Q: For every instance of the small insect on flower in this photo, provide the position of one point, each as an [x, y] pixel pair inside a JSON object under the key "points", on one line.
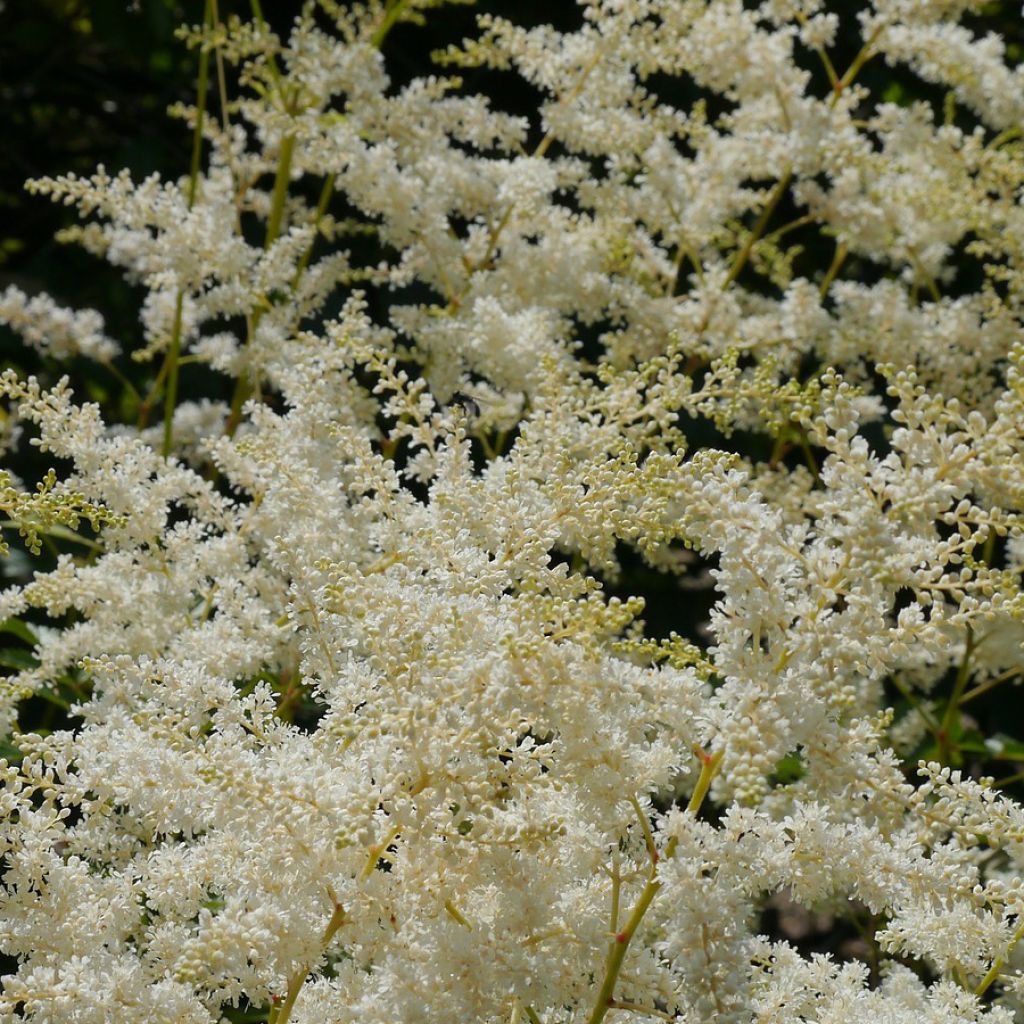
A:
{"points": [[470, 406]]}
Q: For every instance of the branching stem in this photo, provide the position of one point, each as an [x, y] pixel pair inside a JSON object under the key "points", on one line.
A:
{"points": [[710, 764], [282, 1013]]}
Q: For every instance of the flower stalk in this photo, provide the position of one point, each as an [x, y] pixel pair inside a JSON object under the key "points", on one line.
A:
{"points": [[709, 765]]}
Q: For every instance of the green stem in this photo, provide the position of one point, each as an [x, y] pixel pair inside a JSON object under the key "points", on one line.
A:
{"points": [[620, 944], [222, 87], [281, 181], [853, 70], [950, 713], [1008, 780], [1007, 136], [243, 387], [826, 61], [152, 395], [257, 14], [197, 130], [173, 358], [298, 979], [282, 178], [1000, 962], [919, 708], [617, 954], [321, 208], [762, 222], [709, 765], [805, 447], [123, 381], [645, 825], [798, 222], [649, 1011], [834, 267], [989, 550], [616, 891], [174, 350], [989, 684], [391, 16]]}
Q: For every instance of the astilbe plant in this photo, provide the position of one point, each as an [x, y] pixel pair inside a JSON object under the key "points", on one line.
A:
{"points": [[355, 730]]}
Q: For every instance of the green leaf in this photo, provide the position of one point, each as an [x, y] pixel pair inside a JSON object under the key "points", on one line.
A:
{"points": [[998, 747], [17, 658], [789, 769], [20, 630], [896, 93]]}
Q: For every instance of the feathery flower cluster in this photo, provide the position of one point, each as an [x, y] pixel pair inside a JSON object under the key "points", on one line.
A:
{"points": [[355, 730]]}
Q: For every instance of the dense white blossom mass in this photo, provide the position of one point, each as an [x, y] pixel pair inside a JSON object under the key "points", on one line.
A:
{"points": [[505, 802]]}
